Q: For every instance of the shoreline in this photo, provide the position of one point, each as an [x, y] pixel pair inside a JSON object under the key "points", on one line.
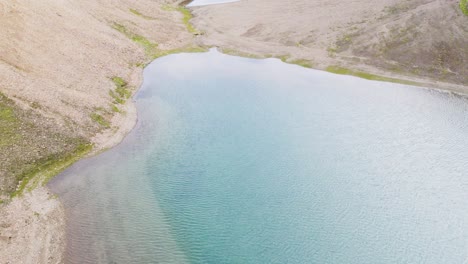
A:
{"points": [[386, 77], [37, 219], [38, 216], [32, 224]]}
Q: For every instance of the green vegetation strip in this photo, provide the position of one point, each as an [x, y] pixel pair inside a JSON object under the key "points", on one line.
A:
{"points": [[115, 109], [100, 120], [149, 46], [186, 16], [121, 87], [45, 169], [302, 63], [368, 76], [8, 123], [152, 52], [189, 49], [121, 92], [136, 12], [234, 52], [284, 58], [186, 19], [464, 6]]}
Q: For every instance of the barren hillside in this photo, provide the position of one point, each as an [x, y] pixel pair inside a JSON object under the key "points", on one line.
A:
{"points": [[424, 40], [67, 68]]}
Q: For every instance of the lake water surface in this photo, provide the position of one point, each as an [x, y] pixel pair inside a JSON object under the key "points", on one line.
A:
{"points": [[237, 160]]}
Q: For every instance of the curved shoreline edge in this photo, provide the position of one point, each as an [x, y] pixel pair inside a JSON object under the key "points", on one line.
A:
{"points": [[32, 223]]}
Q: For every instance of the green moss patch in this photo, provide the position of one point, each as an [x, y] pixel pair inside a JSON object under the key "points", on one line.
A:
{"points": [[189, 49], [234, 52], [368, 76], [41, 171], [302, 63], [136, 12], [30, 145], [186, 16], [121, 92], [167, 7], [9, 123], [284, 58], [464, 6], [98, 118], [121, 87], [149, 46], [186, 19], [116, 97], [115, 109]]}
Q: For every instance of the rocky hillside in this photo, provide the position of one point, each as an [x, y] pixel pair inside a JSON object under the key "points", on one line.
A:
{"points": [[68, 69], [424, 38]]}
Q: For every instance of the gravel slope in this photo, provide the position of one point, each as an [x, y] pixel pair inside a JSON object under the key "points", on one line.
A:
{"points": [[421, 40]]}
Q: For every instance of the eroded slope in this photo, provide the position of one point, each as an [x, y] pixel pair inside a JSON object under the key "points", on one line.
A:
{"points": [[422, 40]]}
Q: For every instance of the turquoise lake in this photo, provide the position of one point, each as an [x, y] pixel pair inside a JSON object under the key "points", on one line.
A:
{"points": [[237, 160]]}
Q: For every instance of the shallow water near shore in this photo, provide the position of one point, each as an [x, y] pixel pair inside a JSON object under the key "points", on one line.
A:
{"points": [[237, 160]]}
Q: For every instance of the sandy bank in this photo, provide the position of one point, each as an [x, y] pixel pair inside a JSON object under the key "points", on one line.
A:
{"points": [[32, 229]]}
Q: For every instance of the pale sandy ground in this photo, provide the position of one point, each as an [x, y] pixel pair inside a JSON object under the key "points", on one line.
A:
{"points": [[61, 54], [32, 229], [422, 40]]}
